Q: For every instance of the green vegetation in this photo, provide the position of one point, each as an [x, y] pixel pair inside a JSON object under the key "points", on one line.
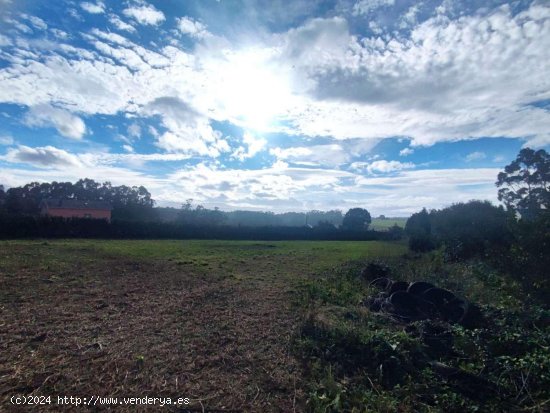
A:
{"points": [[384, 349], [310, 256], [101, 309], [296, 325], [358, 360], [212, 320], [379, 224]]}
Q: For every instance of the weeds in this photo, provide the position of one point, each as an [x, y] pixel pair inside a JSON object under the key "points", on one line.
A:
{"points": [[361, 361]]}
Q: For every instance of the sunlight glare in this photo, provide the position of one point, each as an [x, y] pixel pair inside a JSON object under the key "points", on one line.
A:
{"points": [[253, 91]]}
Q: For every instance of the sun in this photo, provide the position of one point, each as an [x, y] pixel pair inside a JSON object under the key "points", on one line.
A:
{"points": [[254, 91]]}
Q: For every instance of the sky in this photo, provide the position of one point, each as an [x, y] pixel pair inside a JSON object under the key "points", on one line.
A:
{"points": [[389, 105]]}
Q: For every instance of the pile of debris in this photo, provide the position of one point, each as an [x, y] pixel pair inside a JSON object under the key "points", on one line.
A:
{"points": [[420, 300]]}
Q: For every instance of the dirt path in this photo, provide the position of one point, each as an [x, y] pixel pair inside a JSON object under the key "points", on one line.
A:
{"points": [[122, 328]]}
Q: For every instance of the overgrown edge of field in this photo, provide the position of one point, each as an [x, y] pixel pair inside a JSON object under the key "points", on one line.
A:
{"points": [[355, 360]]}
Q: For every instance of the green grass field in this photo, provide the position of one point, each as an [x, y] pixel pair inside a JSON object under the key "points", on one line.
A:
{"points": [[258, 327], [214, 321], [383, 224]]}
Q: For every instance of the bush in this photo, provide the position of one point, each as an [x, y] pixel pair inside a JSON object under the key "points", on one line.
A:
{"points": [[470, 229], [421, 243], [529, 255], [465, 230]]}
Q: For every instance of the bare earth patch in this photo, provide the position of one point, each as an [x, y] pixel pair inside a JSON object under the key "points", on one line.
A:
{"points": [[108, 326]]}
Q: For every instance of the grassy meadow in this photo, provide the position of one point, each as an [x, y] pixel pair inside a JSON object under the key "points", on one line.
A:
{"points": [[214, 321], [260, 326], [378, 224]]}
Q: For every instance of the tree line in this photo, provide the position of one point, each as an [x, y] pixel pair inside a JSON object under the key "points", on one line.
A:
{"points": [[514, 237], [134, 216], [131, 203], [136, 204]]}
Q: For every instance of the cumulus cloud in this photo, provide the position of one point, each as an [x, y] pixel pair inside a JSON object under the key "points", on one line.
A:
{"points": [[278, 187], [255, 187], [53, 157], [383, 166], [188, 131], [111, 37], [134, 130], [329, 155], [431, 86], [6, 140], [192, 27], [409, 18], [67, 124], [283, 187], [60, 34], [475, 156], [120, 24], [253, 146], [4, 41], [406, 152], [22, 27], [93, 8], [367, 6], [409, 191], [145, 14], [41, 156], [35, 21]]}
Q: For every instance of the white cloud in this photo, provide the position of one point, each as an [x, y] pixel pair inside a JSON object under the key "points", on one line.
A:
{"points": [[253, 146], [4, 41], [35, 21], [92, 8], [375, 27], [281, 187], [134, 130], [74, 14], [326, 81], [117, 176], [409, 191], [329, 155], [66, 123], [475, 156], [46, 156], [278, 188], [6, 140], [60, 34], [146, 14], [111, 37], [255, 187], [406, 152], [153, 131], [120, 24], [91, 83], [23, 28], [409, 18], [383, 166], [52, 157], [188, 131], [191, 27], [367, 6], [433, 86]]}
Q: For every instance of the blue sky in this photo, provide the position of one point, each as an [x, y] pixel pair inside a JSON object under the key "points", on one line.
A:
{"points": [[391, 105]]}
